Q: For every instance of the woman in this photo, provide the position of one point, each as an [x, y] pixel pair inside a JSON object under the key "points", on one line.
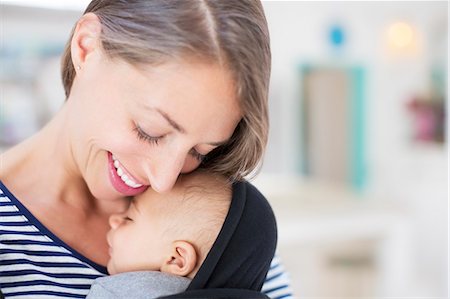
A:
{"points": [[154, 89]]}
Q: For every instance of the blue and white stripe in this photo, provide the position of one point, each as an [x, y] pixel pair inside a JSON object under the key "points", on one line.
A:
{"points": [[277, 284], [33, 262]]}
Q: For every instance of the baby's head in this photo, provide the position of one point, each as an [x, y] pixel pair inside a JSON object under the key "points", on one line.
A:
{"points": [[171, 232]]}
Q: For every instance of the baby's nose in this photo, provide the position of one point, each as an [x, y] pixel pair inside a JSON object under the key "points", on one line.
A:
{"points": [[115, 220]]}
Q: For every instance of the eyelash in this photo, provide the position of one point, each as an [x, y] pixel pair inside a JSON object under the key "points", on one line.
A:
{"points": [[141, 135], [197, 155]]}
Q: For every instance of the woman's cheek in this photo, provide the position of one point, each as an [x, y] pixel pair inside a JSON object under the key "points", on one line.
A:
{"points": [[190, 165]]}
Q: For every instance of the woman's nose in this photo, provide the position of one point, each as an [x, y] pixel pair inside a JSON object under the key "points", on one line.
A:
{"points": [[115, 220], [164, 174]]}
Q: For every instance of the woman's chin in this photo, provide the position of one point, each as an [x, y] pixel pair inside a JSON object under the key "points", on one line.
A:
{"points": [[104, 191]]}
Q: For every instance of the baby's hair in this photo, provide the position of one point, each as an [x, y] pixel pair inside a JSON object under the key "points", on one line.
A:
{"points": [[230, 33], [205, 204]]}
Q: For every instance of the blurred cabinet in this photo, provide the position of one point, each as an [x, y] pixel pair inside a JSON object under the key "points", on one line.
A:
{"points": [[333, 124], [336, 244], [333, 270]]}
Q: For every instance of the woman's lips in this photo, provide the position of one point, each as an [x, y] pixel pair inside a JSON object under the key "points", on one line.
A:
{"points": [[129, 187]]}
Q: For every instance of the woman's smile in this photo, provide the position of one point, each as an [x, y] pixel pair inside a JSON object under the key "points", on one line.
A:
{"points": [[124, 174], [122, 180]]}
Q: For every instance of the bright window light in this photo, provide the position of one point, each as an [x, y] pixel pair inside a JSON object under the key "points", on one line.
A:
{"points": [[401, 35]]}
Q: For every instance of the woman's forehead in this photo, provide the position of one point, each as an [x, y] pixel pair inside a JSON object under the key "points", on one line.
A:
{"points": [[189, 97]]}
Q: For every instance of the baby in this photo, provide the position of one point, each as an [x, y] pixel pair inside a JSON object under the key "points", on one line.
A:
{"points": [[160, 242]]}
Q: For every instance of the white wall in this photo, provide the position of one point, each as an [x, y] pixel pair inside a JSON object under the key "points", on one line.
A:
{"points": [[397, 169]]}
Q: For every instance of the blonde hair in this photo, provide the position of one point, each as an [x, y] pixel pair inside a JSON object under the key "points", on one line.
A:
{"points": [[232, 33]]}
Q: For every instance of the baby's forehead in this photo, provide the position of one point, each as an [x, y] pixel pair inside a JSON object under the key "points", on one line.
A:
{"points": [[154, 200], [190, 188], [153, 196]]}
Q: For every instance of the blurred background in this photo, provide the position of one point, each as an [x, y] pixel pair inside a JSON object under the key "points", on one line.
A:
{"points": [[357, 163]]}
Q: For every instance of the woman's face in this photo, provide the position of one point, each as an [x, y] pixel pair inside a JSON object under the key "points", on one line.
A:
{"points": [[132, 128]]}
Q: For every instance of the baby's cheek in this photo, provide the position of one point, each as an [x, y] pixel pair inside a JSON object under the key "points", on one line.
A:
{"points": [[110, 267]]}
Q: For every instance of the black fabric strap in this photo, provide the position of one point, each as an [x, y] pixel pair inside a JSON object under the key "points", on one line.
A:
{"points": [[219, 294], [239, 259]]}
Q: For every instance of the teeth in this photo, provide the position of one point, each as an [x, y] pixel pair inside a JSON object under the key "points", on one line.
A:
{"points": [[130, 183], [127, 180]]}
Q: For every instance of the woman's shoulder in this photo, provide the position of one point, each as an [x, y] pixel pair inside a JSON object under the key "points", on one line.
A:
{"points": [[16, 220], [11, 206], [34, 262]]}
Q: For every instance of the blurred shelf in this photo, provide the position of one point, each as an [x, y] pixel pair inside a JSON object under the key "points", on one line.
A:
{"points": [[336, 239]]}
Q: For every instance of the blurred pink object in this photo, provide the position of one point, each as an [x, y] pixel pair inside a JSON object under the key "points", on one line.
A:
{"points": [[428, 120]]}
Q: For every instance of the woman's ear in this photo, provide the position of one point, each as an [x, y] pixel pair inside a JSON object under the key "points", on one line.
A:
{"points": [[86, 39], [182, 259]]}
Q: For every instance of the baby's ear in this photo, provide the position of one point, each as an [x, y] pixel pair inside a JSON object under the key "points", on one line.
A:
{"points": [[182, 259]]}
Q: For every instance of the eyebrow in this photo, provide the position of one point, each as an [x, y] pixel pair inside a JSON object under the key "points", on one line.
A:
{"points": [[181, 129], [171, 121]]}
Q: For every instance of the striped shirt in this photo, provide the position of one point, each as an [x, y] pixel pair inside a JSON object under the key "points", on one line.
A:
{"points": [[278, 283], [34, 263]]}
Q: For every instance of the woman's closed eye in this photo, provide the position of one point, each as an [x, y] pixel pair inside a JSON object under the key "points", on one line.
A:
{"points": [[141, 135], [197, 155]]}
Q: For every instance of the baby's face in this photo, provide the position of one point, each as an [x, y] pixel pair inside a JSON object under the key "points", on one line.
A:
{"points": [[136, 239]]}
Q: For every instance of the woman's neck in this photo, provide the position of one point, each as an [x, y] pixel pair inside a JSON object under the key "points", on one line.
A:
{"points": [[43, 169], [43, 174]]}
